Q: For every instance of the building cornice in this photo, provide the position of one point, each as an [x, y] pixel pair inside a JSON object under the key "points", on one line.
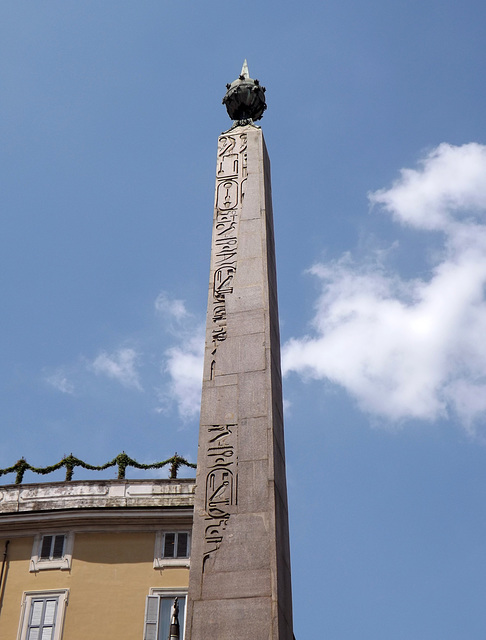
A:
{"points": [[95, 505]]}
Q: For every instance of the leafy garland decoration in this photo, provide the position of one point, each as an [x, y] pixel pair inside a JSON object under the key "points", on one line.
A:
{"points": [[70, 462]]}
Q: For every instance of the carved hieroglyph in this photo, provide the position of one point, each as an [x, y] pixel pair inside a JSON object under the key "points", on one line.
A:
{"points": [[222, 473], [230, 177], [221, 483], [240, 566]]}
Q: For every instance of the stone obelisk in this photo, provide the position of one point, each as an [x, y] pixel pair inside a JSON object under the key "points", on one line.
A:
{"points": [[239, 586]]}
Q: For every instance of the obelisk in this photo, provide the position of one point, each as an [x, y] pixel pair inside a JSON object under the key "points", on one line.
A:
{"points": [[239, 586]]}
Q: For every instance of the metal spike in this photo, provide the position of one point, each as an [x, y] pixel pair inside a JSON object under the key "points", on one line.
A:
{"points": [[244, 70]]}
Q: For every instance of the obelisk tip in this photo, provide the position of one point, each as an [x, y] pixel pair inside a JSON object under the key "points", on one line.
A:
{"points": [[244, 70]]}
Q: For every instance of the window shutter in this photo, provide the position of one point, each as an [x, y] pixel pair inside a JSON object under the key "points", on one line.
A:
{"points": [[151, 618], [42, 619], [36, 612], [46, 547], [182, 545], [58, 551], [169, 545], [50, 612]]}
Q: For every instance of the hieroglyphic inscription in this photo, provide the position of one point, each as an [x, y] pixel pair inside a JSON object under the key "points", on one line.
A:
{"points": [[221, 484], [227, 195], [231, 175], [221, 456]]}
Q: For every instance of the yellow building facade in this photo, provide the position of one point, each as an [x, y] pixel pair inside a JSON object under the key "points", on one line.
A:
{"points": [[86, 560]]}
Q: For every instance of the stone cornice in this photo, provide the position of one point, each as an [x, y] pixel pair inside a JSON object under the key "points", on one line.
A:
{"points": [[95, 505]]}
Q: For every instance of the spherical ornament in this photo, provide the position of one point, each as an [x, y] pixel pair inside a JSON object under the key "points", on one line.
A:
{"points": [[245, 98]]}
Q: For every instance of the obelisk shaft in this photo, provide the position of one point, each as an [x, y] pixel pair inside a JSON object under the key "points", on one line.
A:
{"points": [[240, 561]]}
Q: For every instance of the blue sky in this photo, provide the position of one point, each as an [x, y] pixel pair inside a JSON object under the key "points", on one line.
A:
{"points": [[109, 118]]}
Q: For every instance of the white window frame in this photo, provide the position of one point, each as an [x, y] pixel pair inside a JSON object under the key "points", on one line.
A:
{"points": [[64, 563], [164, 593], [27, 599], [159, 561]]}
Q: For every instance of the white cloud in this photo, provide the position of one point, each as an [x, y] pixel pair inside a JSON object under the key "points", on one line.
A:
{"points": [[171, 307], [167, 365], [411, 348], [121, 366], [59, 381], [449, 185], [184, 364]]}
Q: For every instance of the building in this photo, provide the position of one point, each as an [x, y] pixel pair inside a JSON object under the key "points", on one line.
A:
{"points": [[108, 559], [93, 559]]}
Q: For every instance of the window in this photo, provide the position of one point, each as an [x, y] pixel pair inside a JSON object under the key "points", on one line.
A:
{"points": [[176, 544], [158, 612], [42, 614], [52, 551], [52, 547], [172, 549]]}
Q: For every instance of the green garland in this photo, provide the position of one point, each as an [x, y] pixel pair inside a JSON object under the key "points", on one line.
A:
{"points": [[122, 460]]}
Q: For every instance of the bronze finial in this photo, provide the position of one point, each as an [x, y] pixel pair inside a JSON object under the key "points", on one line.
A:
{"points": [[245, 98]]}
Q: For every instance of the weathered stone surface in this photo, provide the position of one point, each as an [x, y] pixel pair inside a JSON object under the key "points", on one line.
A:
{"points": [[237, 584], [247, 299], [247, 322], [45, 496], [242, 618], [221, 404], [254, 445], [240, 562], [243, 353], [253, 397], [83, 505]]}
